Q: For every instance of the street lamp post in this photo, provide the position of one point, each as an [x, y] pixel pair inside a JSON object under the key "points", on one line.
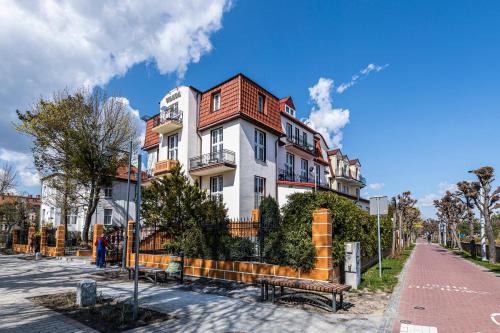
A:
{"points": [[127, 205], [136, 243]]}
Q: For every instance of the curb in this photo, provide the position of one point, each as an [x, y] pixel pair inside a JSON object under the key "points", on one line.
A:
{"points": [[390, 312]]}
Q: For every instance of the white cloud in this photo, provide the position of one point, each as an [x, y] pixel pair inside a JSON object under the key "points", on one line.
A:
{"points": [[376, 186], [428, 199], [50, 45], [326, 119], [359, 76], [136, 118], [23, 165]]}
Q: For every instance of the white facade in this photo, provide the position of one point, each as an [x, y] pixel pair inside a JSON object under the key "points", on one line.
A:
{"points": [[239, 160], [111, 209]]}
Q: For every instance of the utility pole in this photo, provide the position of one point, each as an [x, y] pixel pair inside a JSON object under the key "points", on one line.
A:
{"points": [[137, 236], [127, 205]]}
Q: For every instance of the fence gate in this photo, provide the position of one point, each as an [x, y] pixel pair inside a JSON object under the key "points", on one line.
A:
{"points": [[114, 249]]}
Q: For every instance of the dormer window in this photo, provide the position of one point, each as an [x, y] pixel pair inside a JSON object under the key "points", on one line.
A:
{"points": [[262, 103], [289, 110], [216, 101]]}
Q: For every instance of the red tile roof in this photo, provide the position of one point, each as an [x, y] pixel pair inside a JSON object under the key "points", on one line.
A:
{"points": [[122, 173], [333, 152]]}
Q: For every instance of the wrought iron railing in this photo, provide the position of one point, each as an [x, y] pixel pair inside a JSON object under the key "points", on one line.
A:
{"points": [[165, 116], [299, 142], [223, 156], [288, 175]]}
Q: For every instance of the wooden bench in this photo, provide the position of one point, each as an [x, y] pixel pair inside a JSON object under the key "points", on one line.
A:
{"points": [[309, 291], [155, 275]]}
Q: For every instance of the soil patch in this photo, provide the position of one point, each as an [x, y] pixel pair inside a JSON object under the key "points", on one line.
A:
{"points": [[108, 315]]}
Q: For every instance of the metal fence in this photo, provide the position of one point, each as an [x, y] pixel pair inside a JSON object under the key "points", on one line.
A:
{"points": [[23, 236], [4, 239], [51, 237], [236, 239], [114, 238]]}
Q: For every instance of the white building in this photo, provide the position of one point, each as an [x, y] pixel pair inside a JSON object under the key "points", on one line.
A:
{"points": [[239, 141], [111, 208]]}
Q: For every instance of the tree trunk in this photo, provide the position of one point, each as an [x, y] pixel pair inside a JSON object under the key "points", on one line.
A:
{"points": [[393, 248], [491, 239], [455, 236], [93, 199]]}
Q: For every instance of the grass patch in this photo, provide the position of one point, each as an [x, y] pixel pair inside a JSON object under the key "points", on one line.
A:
{"points": [[391, 267], [477, 260]]}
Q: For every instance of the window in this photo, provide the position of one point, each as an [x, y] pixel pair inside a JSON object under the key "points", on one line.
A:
{"points": [[216, 187], [289, 110], [173, 142], [52, 213], [260, 145], [288, 130], [304, 170], [262, 103], [290, 167], [297, 135], [72, 217], [216, 101], [317, 174], [304, 139], [108, 192], [108, 213], [259, 190], [217, 146]]}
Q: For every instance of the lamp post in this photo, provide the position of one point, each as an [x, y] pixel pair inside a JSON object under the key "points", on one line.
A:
{"points": [[127, 205], [136, 243]]}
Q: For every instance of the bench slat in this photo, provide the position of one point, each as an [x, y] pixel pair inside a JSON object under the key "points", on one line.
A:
{"points": [[321, 286]]}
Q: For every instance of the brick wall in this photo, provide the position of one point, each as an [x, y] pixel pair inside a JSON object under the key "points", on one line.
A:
{"points": [[248, 272], [52, 251]]}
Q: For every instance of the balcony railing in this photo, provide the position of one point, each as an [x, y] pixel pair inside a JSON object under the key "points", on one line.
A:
{"points": [[220, 157], [165, 116], [346, 175], [298, 142], [164, 166], [289, 176]]}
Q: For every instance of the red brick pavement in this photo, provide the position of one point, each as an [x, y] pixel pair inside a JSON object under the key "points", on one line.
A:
{"points": [[457, 295]]}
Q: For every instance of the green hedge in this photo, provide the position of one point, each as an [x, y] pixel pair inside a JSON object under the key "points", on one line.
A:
{"points": [[292, 245]]}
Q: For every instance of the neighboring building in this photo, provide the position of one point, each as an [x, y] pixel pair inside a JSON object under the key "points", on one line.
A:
{"points": [[33, 204], [346, 178], [111, 209], [239, 141]]}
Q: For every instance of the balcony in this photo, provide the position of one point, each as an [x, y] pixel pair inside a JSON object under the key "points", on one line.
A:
{"points": [[360, 181], [164, 166], [306, 179], [212, 163], [297, 145], [167, 122]]}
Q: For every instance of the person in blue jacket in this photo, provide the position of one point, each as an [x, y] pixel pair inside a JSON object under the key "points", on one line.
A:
{"points": [[101, 251]]}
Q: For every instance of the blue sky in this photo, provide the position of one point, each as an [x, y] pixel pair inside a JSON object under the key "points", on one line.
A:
{"points": [[418, 124]]}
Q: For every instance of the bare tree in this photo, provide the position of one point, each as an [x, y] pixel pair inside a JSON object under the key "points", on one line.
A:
{"points": [[452, 211], [404, 204], [486, 201], [7, 178], [82, 136]]}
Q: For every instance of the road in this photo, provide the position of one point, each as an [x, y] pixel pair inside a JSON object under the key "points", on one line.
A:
{"points": [[449, 293]]}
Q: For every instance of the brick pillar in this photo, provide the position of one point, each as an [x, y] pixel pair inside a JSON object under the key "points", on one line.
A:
{"points": [[98, 231], [130, 241], [31, 232], [15, 236], [43, 239], [322, 240], [255, 215], [60, 241]]}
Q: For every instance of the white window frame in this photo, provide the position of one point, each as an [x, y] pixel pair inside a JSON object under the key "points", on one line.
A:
{"points": [[261, 103], [216, 101], [260, 145], [289, 110], [108, 219], [259, 184], [72, 217], [217, 187], [173, 147], [288, 127], [290, 167], [304, 170], [108, 192], [217, 142]]}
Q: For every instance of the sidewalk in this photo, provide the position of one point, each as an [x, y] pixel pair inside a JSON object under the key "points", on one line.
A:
{"points": [[193, 312], [445, 291]]}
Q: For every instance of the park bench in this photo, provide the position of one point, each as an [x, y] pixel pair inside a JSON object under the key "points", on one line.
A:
{"points": [[309, 290], [175, 268]]}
